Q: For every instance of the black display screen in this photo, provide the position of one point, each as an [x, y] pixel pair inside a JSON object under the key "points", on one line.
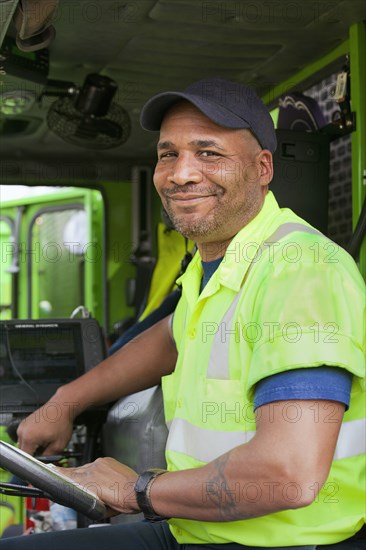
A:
{"points": [[40, 354]]}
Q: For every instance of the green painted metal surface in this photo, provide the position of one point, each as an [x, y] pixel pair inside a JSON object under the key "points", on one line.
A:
{"points": [[357, 43]]}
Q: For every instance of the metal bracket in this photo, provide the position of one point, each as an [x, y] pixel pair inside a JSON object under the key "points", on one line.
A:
{"points": [[344, 120]]}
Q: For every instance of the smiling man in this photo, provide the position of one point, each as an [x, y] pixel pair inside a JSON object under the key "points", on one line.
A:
{"points": [[266, 438], [212, 180]]}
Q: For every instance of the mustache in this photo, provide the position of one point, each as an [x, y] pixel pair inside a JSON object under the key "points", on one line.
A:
{"points": [[195, 189]]}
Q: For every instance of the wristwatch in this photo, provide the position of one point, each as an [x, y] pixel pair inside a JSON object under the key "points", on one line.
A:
{"points": [[142, 490]]}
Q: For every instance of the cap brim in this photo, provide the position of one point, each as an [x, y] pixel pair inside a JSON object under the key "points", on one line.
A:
{"points": [[154, 110]]}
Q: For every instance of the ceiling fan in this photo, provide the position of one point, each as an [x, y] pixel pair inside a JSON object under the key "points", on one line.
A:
{"points": [[86, 116]]}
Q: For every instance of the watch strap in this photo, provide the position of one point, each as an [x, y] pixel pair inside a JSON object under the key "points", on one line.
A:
{"points": [[142, 490]]}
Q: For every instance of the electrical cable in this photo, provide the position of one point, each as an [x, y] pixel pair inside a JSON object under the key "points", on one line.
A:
{"points": [[15, 368]]}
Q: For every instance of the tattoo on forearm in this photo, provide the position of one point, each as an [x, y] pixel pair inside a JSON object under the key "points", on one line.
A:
{"points": [[218, 492]]}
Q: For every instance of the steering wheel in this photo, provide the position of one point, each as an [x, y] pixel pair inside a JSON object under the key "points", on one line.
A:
{"points": [[55, 486]]}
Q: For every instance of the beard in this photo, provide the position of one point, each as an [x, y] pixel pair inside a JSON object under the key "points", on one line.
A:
{"points": [[223, 221], [195, 227]]}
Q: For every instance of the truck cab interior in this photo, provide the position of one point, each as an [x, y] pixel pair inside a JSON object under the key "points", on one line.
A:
{"points": [[74, 77]]}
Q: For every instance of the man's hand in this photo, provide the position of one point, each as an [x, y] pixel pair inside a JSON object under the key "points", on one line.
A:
{"points": [[48, 428], [111, 481]]}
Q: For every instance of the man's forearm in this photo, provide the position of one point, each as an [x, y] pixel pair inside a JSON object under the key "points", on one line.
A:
{"points": [[140, 364], [282, 467], [228, 489]]}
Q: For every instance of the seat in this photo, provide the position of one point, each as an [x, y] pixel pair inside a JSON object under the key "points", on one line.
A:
{"points": [[301, 161], [135, 433]]}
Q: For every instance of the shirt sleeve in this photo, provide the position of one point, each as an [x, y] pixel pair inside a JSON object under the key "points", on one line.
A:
{"points": [[311, 313], [328, 383]]}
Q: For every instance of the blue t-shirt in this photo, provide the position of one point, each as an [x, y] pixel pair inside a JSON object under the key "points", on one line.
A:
{"points": [[328, 383]]}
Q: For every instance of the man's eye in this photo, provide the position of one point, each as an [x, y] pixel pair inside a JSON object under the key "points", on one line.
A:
{"points": [[209, 154], [168, 154]]}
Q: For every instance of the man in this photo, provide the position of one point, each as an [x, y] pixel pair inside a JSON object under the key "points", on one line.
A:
{"points": [[265, 444]]}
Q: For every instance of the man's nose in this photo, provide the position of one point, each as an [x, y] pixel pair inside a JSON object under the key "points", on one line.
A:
{"points": [[186, 169]]}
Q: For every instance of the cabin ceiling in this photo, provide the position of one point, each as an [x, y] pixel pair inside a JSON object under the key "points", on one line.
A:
{"points": [[148, 46]]}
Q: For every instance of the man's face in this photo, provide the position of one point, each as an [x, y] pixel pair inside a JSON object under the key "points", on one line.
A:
{"points": [[209, 178]]}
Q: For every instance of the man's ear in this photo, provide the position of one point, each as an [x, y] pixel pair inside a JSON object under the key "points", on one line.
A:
{"points": [[265, 163]]}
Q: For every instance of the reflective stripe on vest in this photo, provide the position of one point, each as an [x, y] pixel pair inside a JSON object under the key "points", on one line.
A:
{"points": [[206, 445], [218, 366]]}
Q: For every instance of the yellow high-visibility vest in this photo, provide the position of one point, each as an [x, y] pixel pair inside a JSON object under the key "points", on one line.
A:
{"points": [[283, 297]]}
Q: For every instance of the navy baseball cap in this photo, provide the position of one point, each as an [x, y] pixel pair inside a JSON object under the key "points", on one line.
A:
{"points": [[227, 103]]}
